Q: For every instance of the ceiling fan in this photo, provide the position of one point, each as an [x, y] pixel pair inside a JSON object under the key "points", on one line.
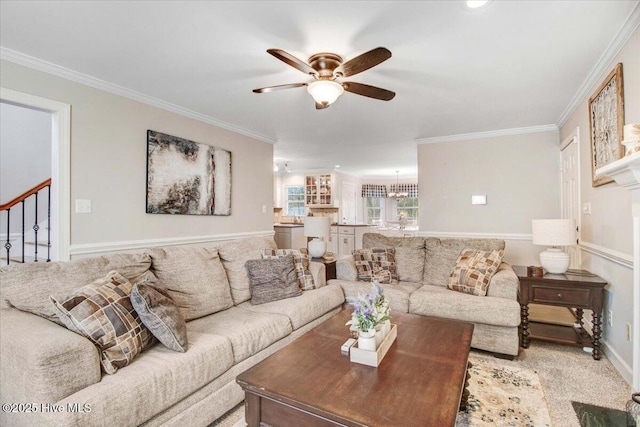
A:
{"points": [[326, 68]]}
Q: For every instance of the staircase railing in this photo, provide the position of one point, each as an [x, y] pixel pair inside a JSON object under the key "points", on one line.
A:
{"points": [[21, 199]]}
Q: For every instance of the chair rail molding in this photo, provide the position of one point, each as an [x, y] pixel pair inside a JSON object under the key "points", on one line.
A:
{"points": [[612, 255], [626, 172], [89, 249]]}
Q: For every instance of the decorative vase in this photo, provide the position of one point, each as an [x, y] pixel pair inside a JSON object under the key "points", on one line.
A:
{"points": [[386, 327], [379, 334], [367, 340]]}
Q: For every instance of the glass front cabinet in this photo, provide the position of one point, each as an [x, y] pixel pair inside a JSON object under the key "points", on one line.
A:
{"points": [[318, 190]]}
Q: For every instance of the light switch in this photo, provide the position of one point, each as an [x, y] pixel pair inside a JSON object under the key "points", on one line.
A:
{"points": [[83, 206], [479, 199], [586, 208], [264, 208]]}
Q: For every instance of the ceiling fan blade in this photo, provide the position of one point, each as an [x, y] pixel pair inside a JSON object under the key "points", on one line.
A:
{"points": [[291, 60], [370, 91], [279, 87], [321, 106], [363, 62]]}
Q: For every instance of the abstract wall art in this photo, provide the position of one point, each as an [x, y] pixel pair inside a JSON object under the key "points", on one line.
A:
{"points": [[186, 177]]}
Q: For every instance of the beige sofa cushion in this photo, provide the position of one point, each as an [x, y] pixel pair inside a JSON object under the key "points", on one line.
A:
{"points": [[442, 254], [304, 308], [194, 278], [156, 380], [234, 255], [398, 293], [28, 286], [410, 253], [439, 301], [248, 332]]}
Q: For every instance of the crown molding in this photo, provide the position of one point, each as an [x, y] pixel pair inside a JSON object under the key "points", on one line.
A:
{"points": [[488, 134], [87, 80], [604, 63]]}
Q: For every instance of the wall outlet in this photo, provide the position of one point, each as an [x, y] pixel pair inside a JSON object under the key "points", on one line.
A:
{"points": [[610, 318], [628, 332], [264, 208], [83, 206], [586, 208]]}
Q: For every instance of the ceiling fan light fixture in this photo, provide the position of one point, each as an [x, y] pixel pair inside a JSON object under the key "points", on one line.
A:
{"points": [[325, 92], [476, 4]]}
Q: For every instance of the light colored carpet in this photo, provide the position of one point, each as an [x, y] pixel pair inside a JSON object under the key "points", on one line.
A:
{"points": [[565, 374]]}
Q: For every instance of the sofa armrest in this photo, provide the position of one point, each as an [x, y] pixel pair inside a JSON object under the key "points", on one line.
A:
{"points": [[504, 284], [346, 269], [43, 362], [318, 271]]}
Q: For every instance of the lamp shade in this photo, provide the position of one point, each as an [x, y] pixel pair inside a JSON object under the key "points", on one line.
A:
{"points": [[325, 92], [317, 226], [554, 232]]}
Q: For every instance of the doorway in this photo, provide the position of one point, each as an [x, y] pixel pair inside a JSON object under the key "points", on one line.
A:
{"points": [[60, 165], [570, 189]]}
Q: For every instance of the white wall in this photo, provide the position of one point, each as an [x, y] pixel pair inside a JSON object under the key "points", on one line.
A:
{"points": [[25, 161], [519, 174], [607, 239], [108, 166]]}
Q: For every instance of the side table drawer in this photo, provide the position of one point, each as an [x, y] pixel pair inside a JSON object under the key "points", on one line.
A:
{"points": [[561, 296]]}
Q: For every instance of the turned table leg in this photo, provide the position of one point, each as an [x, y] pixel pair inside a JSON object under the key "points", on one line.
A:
{"points": [[597, 332], [524, 326], [579, 314], [464, 401]]}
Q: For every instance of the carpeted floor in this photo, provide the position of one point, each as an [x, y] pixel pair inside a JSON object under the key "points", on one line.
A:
{"points": [[566, 374]]}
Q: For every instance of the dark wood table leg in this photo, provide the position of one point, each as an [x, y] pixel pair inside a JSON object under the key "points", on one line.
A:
{"points": [[252, 409], [579, 314], [597, 332], [464, 401], [524, 326]]}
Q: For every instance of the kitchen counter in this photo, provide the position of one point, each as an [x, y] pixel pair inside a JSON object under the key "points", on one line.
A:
{"points": [[288, 225]]}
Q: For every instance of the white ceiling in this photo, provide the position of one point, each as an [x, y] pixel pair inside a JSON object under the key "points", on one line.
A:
{"points": [[512, 64]]}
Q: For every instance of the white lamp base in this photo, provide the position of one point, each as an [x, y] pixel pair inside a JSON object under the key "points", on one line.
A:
{"points": [[555, 260], [317, 248]]}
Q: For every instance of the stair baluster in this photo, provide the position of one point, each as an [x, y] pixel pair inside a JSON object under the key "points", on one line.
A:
{"points": [[22, 236], [7, 245], [48, 223], [36, 227]]}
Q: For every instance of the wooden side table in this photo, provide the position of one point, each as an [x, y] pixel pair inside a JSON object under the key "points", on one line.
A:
{"points": [[330, 267], [577, 289]]}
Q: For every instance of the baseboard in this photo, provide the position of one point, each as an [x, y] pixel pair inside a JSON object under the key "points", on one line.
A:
{"points": [[609, 254], [621, 366], [468, 235], [131, 245]]}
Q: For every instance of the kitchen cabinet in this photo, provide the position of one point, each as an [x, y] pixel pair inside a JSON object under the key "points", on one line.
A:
{"points": [[290, 237], [346, 238], [332, 243], [318, 190]]}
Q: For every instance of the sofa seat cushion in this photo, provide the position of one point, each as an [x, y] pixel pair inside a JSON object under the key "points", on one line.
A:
{"points": [[234, 255], [155, 380], [442, 254], [194, 278], [28, 286], [409, 253], [249, 332], [304, 308], [439, 301], [398, 294]]}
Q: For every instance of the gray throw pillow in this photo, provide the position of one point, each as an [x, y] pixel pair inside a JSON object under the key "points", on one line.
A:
{"points": [[272, 279], [161, 315]]}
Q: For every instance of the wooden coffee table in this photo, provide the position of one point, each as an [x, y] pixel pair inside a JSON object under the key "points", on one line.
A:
{"points": [[421, 381]]}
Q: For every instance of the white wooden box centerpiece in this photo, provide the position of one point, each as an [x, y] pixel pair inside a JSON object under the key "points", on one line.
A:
{"points": [[374, 358]]}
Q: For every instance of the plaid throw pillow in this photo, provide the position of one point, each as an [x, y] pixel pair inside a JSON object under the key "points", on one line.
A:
{"points": [[473, 271], [301, 261], [377, 264], [103, 313]]}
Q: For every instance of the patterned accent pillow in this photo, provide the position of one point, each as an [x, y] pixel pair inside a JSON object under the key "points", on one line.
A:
{"points": [[103, 313], [161, 315], [301, 261], [272, 279], [377, 264], [473, 271]]}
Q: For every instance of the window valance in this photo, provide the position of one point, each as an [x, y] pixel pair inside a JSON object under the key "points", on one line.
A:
{"points": [[411, 189], [374, 190]]}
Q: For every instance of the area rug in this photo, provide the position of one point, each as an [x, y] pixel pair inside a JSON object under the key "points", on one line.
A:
{"points": [[499, 396], [599, 416]]}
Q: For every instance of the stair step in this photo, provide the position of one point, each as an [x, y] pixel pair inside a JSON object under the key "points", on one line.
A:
{"points": [[3, 260], [45, 244]]}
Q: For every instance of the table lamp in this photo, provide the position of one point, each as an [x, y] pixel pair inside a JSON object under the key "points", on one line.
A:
{"points": [[554, 233], [318, 227]]}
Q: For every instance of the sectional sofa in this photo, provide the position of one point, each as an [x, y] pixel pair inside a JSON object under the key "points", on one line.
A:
{"points": [[424, 265], [52, 376]]}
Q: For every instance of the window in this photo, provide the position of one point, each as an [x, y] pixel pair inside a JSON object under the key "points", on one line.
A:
{"points": [[373, 209], [295, 200], [408, 205]]}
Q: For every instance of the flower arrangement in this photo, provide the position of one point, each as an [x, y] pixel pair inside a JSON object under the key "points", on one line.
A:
{"points": [[369, 310]]}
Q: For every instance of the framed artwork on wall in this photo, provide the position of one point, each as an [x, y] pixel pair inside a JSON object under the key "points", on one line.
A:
{"points": [[186, 177], [606, 120]]}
